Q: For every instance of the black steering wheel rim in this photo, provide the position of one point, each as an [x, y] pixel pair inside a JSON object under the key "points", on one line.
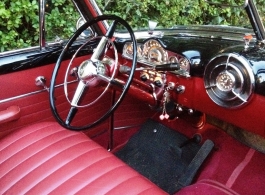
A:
{"points": [[61, 57]]}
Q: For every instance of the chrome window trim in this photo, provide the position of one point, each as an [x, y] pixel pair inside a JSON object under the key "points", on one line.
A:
{"points": [[42, 39], [30, 49]]}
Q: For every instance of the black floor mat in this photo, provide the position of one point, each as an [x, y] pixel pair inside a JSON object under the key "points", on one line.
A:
{"points": [[155, 152]]}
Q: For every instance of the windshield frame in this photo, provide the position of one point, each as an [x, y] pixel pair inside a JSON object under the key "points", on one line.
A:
{"points": [[249, 6], [255, 20]]}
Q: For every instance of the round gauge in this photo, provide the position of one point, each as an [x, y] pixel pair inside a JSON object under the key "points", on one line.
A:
{"points": [[154, 52], [173, 59], [184, 64], [129, 49], [155, 55], [225, 81]]}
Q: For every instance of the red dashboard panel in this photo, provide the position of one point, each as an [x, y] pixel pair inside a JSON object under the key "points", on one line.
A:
{"points": [[250, 117]]}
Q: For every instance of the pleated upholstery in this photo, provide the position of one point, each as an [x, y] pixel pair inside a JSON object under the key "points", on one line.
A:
{"points": [[46, 159]]}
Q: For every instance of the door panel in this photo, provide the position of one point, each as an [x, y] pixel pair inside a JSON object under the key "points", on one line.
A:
{"points": [[18, 88]]}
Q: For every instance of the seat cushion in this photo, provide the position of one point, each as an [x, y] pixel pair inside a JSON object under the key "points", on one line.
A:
{"points": [[47, 159]]}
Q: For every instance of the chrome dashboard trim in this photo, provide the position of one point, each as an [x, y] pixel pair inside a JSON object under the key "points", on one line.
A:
{"points": [[239, 67]]}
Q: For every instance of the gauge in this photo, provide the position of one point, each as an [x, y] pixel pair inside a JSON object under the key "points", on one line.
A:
{"points": [[225, 81], [128, 49], [173, 59], [184, 64], [154, 53]]}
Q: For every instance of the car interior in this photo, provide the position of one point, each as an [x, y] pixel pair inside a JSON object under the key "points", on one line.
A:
{"points": [[126, 112]]}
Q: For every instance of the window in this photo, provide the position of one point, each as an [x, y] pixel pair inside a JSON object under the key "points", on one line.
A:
{"points": [[19, 27]]}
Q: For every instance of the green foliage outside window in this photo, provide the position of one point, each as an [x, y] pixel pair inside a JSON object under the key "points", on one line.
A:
{"points": [[19, 22], [172, 12]]}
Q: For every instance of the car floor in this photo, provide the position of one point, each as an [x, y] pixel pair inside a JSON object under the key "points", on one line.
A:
{"points": [[232, 167]]}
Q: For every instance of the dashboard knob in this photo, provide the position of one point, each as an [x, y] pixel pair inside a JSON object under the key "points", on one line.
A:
{"points": [[179, 109], [158, 82], [144, 76], [180, 89], [190, 111]]}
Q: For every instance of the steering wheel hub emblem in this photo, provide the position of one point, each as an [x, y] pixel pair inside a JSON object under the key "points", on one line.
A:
{"points": [[87, 70]]}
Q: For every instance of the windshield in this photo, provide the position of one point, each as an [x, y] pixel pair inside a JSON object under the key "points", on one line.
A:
{"points": [[169, 13]]}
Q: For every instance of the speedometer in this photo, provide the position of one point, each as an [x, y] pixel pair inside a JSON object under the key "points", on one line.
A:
{"points": [[154, 53]]}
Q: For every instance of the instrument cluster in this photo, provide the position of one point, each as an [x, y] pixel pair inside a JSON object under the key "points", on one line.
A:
{"points": [[152, 53]]}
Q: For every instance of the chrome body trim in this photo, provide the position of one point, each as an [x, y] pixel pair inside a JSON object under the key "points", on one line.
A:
{"points": [[31, 93], [42, 40], [56, 43]]}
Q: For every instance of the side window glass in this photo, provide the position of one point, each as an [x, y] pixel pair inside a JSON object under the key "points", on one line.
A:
{"points": [[61, 18], [19, 26]]}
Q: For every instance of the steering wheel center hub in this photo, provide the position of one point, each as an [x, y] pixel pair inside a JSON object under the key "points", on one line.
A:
{"points": [[87, 70]]}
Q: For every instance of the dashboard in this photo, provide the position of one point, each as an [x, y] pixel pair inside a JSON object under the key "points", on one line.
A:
{"points": [[218, 77]]}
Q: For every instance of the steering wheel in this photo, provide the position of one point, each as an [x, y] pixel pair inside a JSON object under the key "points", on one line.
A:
{"points": [[92, 70]]}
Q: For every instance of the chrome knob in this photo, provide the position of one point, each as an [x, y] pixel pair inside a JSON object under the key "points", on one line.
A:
{"points": [[180, 89], [40, 81], [144, 76]]}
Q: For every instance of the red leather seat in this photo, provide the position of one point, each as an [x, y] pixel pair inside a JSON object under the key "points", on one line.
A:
{"points": [[47, 159]]}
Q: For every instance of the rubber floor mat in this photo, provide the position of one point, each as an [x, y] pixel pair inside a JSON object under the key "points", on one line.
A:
{"points": [[161, 155]]}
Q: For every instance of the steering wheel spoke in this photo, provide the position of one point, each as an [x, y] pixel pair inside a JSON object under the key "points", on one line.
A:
{"points": [[111, 29], [71, 114], [78, 93], [99, 51]]}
